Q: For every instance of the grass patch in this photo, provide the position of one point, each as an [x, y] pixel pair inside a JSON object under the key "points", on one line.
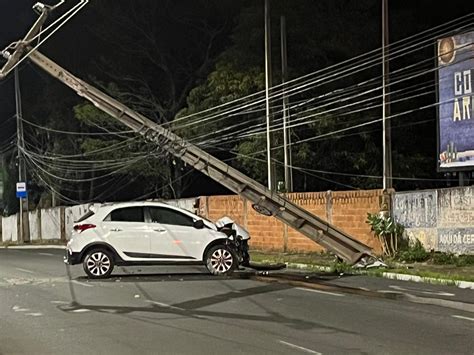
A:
{"points": [[309, 259], [460, 269]]}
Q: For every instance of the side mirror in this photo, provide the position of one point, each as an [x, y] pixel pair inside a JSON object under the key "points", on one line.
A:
{"points": [[198, 224]]}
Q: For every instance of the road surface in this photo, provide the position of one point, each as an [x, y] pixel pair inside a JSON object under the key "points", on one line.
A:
{"points": [[49, 308]]}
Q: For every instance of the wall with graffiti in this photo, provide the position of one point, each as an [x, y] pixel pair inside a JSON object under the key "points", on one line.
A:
{"points": [[443, 220]]}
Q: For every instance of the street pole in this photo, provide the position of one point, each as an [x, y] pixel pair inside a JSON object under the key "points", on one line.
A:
{"points": [[19, 144], [286, 117], [268, 85], [386, 126]]}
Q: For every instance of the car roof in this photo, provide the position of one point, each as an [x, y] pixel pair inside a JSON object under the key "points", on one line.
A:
{"points": [[102, 210], [107, 207], [135, 203]]}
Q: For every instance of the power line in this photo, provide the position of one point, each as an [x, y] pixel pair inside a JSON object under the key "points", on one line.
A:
{"points": [[321, 80]]}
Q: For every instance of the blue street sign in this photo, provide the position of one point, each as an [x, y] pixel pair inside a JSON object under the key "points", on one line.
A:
{"points": [[21, 191]]}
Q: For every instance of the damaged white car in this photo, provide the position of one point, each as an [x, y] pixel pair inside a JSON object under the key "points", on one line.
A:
{"points": [[154, 233]]}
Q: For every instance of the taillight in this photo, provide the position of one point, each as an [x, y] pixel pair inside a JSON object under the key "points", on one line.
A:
{"points": [[82, 227]]}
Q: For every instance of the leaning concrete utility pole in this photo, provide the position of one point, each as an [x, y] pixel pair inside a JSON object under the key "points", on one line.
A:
{"points": [[263, 200]]}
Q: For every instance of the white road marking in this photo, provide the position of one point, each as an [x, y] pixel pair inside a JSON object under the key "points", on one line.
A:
{"points": [[390, 291], [424, 291], [81, 310], [319, 291], [81, 283], [165, 305], [462, 317], [299, 347], [38, 314], [467, 307], [19, 309], [47, 254], [24, 270]]}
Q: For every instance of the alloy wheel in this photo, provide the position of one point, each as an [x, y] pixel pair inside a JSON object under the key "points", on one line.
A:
{"points": [[221, 260], [98, 264]]}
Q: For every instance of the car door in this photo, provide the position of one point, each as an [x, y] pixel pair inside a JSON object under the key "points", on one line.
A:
{"points": [[174, 236], [127, 232]]}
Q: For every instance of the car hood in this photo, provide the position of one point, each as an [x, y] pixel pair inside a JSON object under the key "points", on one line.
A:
{"points": [[240, 231]]}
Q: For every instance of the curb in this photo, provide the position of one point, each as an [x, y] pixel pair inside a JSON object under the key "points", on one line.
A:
{"points": [[32, 246], [416, 278], [391, 275]]}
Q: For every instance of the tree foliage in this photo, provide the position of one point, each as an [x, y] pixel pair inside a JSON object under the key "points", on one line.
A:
{"points": [[314, 42]]}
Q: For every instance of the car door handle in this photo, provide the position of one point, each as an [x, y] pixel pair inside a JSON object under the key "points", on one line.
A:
{"points": [[115, 230], [159, 230]]}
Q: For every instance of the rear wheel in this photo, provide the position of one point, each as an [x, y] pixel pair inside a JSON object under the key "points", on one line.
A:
{"points": [[98, 263], [221, 260]]}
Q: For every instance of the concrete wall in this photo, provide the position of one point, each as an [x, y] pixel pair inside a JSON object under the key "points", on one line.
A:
{"points": [[51, 224], [346, 209], [443, 219], [10, 228], [34, 219]]}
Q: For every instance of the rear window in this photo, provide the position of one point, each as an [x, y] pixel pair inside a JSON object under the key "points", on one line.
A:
{"points": [[127, 214], [87, 215]]}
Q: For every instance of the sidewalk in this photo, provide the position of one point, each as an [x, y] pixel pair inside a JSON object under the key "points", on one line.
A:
{"points": [[460, 276]]}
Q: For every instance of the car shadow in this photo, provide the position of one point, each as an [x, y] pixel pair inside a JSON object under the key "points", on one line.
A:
{"points": [[166, 276], [196, 309]]}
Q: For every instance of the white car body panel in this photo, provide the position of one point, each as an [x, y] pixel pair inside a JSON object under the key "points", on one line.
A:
{"points": [[147, 238], [131, 237]]}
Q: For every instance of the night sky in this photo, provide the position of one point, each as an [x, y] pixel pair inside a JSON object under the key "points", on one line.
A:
{"points": [[16, 18]]}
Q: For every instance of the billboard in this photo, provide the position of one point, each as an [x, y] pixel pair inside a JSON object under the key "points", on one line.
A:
{"points": [[456, 102]]}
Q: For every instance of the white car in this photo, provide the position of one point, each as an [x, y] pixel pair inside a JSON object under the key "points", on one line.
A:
{"points": [[154, 233]]}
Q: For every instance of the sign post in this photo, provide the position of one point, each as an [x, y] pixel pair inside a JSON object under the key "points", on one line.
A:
{"points": [[21, 193]]}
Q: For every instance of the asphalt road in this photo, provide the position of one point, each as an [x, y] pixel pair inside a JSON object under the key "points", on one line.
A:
{"points": [[48, 308]]}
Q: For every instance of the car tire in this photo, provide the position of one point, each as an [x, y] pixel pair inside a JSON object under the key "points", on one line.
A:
{"points": [[221, 260], [98, 263]]}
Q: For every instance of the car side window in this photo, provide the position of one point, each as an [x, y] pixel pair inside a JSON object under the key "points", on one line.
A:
{"points": [[127, 214], [169, 216]]}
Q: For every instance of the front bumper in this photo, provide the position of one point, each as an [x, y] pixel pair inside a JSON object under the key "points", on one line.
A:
{"points": [[72, 258]]}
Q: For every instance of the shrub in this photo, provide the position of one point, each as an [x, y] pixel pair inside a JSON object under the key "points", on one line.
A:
{"points": [[464, 260], [387, 231], [444, 258], [415, 253]]}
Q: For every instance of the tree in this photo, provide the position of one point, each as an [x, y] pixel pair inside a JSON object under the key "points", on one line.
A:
{"points": [[239, 72], [173, 46]]}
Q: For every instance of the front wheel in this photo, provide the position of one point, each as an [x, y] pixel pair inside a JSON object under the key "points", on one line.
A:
{"points": [[98, 263], [221, 260]]}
